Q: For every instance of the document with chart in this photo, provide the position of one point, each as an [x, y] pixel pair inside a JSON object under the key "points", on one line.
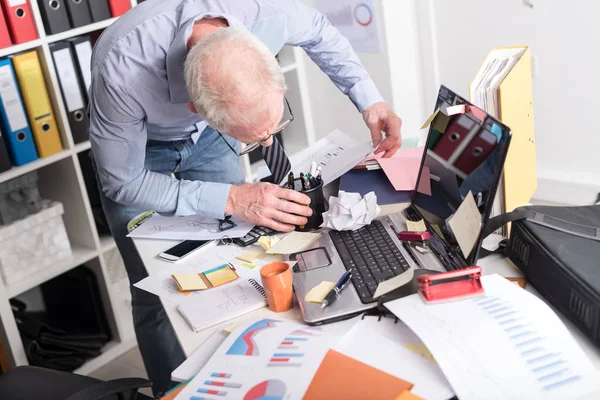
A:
{"points": [[263, 359], [506, 344]]}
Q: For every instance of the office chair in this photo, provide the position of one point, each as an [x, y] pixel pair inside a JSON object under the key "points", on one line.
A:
{"points": [[34, 383]]}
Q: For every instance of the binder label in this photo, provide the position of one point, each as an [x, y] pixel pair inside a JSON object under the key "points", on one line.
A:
{"points": [[11, 100], [14, 3], [84, 56], [68, 79]]}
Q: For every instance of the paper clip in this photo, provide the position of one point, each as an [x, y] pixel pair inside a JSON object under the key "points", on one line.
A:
{"points": [[445, 286]]}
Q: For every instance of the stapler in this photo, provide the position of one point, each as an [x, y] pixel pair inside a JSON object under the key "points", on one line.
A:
{"points": [[453, 285]]}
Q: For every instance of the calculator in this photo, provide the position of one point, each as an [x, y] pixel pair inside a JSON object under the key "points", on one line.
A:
{"points": [[253, 236]]}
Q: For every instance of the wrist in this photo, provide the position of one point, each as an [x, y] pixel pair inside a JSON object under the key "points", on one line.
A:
{"points": [[230, 206]]}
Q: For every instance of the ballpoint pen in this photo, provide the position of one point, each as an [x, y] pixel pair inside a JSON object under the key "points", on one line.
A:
{"points": [[337, 289]]}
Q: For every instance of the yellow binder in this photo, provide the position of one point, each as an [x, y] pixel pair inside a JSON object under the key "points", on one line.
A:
{"points": [[515, 108], [37, 103]]}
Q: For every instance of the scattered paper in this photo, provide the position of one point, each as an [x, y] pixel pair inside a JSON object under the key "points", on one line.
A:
{"points": [[418, 226], [422, 350], [466, 224], [430, 118], [394, 283], [318, 293], [250, 256], [507, 344], [336, 153], [187, 228], [242, 320], [294, 242], [350, 211], [366, 343], [267, 242]]}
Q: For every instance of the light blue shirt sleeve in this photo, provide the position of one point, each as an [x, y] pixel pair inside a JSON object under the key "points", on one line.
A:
{"points": [[118, 138], [332, 52]]}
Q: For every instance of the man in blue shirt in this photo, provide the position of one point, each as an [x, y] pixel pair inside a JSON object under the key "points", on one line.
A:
{"points": [[177, 87]]}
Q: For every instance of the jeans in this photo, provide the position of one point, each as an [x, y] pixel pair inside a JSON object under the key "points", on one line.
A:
{"points": [[208, 160]]}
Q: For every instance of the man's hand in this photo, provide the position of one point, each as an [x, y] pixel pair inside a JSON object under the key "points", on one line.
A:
{"points": [[267, 205], [379, 117]]}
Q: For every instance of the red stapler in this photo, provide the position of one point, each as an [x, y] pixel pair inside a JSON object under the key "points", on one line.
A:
{"points": [[414, 236], [445, 286]]}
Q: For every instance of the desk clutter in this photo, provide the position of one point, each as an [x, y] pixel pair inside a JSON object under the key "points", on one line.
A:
{"points": [[26, 218], [414, 350]]}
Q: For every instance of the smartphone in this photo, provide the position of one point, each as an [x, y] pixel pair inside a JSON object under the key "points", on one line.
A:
{"points": [[183, 249]]}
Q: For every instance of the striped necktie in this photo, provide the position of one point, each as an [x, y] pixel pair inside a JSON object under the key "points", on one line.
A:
{"points": [[277, 161]]}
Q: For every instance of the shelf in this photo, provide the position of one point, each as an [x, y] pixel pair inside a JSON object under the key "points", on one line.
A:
{"points": [[80, 31], [20, 47], [80, 256], [32, 166], [79, 147], [111, 351], [288, 68], [107, 243]]}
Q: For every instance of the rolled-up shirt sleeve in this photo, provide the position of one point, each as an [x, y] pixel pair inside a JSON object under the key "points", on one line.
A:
{"points": [[118, 138], [332, 52]]}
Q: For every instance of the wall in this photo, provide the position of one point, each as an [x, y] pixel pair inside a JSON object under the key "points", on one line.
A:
{"points": [[455, 37]]}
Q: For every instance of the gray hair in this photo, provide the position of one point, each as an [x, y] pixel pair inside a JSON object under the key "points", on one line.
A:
{"points": [[228, 74]]}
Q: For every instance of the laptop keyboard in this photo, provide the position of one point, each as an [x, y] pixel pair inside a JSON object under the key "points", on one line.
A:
{"points": [[371, 255]]}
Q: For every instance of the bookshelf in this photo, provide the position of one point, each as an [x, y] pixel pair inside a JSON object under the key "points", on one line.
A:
{"points": [[61, 179]]}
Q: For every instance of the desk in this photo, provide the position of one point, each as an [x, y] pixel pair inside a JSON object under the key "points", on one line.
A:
{"points": [[190, 340]]}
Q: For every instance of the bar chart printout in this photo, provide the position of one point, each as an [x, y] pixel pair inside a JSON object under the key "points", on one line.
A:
{"points": [[504, 344]]}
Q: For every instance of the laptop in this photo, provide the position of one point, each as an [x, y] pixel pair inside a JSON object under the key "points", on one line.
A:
{"points": [[464, 156]]}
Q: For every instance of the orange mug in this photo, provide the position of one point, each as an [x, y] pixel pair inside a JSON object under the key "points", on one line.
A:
{"points": [[277, 280]]}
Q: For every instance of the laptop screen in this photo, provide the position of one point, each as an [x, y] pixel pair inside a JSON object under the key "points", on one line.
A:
{"points": [[463, 161]]}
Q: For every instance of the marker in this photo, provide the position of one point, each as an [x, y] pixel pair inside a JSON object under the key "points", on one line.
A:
{"points": [[313, 168], [291, 180]]}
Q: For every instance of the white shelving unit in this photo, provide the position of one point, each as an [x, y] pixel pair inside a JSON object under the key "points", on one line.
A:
{"points": [[99, 252], [88, 247]]}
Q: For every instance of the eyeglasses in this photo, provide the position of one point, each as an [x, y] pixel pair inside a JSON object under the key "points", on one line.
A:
{"points": [[250, 147]]}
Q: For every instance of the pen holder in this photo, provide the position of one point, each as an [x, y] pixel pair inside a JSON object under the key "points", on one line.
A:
{"points": [[318, 206]]}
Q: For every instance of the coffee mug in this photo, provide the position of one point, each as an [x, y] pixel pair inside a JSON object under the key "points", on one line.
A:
{"points": [[277, 280]]}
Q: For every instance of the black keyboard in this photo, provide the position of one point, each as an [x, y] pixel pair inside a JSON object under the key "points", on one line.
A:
{"points": [[371, 255]]}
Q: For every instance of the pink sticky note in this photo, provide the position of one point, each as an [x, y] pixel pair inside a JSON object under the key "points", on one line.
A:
{"points": [[402, 153], [425, 182]]}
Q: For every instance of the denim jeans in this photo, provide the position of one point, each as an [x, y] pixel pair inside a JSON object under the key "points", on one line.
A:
{"points": [[208, 160]]}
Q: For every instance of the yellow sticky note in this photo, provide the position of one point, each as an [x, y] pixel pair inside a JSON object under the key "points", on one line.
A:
{"points": [[246, 265], [189, 282], [294, 242], [421, 350], [418, 226], [438, 230], [466, 224], [250, 256], [318, 293], [431, 117], [268, 241]]}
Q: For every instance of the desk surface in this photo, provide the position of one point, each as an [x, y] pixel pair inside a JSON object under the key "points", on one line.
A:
{"points": [[190, 340]]}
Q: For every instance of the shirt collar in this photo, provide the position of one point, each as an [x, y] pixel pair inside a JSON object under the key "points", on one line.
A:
{"points": [[178, 51]]}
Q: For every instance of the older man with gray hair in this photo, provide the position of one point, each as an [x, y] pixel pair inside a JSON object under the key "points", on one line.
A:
{"points": [[177, 87]]}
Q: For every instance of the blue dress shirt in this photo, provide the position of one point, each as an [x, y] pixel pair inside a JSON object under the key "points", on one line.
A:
{"points": [[138, 89]]}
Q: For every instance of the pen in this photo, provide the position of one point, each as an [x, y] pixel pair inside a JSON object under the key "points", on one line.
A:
{"points": [[291, 180], [313, 168], [337, 289], [318, 175], [305, 183]]}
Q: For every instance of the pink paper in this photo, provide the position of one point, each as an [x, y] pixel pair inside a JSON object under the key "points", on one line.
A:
{"points": [[402, 153], [403, 173]]}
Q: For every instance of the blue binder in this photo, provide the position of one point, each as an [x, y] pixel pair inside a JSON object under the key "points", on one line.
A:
{"points": [[17, 134]]}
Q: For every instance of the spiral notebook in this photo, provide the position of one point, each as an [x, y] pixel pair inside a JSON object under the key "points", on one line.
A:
{"points": [[212, 307]]}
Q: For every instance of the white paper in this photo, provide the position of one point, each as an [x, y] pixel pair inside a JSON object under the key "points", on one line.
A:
{"points": [[336, 153], [350, 211], [187, 228], [368, 342], [507, 344], [194, 363], [247, 356], [356, 20], [11, 101], [68, 79], [84, 58]]}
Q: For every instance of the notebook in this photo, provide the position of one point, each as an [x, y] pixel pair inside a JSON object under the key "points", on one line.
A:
{"points": [[212, 307]]}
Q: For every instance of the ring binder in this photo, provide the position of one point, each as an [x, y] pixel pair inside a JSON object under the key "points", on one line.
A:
{"points": [[258, 287]]}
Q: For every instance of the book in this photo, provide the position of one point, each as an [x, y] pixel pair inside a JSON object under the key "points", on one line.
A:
{"points": [[213, 307]]}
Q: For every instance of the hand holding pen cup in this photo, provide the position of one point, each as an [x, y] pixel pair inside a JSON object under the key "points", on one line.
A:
{"points": [[310, 184]]}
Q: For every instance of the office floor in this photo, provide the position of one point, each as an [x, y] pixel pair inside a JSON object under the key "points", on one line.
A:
{"points": [[128, 365]]}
